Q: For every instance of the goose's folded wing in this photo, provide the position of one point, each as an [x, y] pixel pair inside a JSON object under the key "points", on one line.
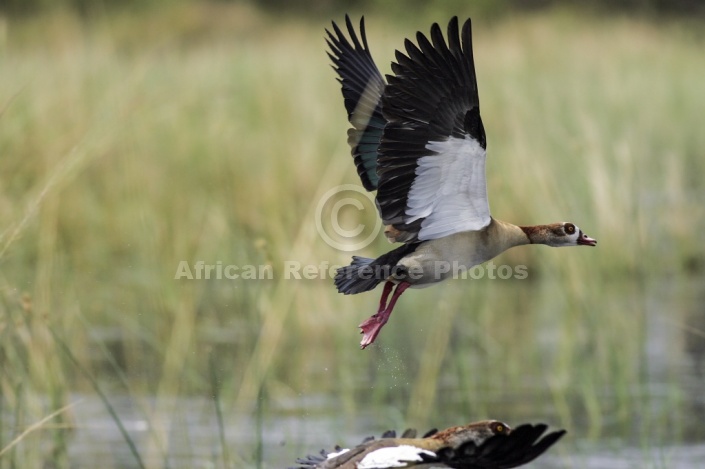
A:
{"points": [[362, 86], [521, 446], [319, 460], [350, 458], [431, 165], [379, 454]]}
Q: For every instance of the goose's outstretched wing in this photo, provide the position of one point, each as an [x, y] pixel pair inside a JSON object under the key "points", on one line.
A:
{"points": [[501, 451], [521, 446], [431, 165], [362, 86]]}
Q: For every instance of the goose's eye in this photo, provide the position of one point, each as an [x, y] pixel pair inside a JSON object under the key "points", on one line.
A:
{"points": [[499, 428], [569, 228]]}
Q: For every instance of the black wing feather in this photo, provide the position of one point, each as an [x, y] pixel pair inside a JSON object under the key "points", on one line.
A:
{"points": [[521, 446], [362, 87], [431, 96]]}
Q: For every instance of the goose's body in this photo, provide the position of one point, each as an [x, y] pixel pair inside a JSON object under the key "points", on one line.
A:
{"points": [[419, 141], [488, 444], [437, 260]]}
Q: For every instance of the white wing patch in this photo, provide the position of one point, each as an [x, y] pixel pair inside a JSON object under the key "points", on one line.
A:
{"points": [[335, 455], [450, 190], [393, 456]]}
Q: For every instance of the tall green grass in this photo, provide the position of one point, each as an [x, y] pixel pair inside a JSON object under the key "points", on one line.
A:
{"points": [[210, 133]]}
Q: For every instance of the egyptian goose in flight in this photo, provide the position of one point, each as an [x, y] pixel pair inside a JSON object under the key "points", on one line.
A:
{"points": [[489, 444], [418, 140]]}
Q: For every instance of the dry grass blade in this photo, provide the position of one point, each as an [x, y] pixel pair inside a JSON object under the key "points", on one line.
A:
{"points": [[36, 426]]}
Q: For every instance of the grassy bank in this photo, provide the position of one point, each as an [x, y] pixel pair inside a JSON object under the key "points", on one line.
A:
{"points": [[132, 143]]}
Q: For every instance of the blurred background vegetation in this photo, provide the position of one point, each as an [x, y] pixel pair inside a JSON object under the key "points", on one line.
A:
{"points": [[136, 135], [304, 7]]}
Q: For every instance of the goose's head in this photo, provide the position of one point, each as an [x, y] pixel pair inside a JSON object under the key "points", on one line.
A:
{"points": [[568, 234], [558, 235]]}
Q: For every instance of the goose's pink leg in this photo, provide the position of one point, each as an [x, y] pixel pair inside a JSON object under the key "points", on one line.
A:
{"points": [[372, 326]]}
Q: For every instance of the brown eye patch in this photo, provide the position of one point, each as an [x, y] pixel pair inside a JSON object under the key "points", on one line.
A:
{"points": [[499, 428], [569, 228], [557, 229]]}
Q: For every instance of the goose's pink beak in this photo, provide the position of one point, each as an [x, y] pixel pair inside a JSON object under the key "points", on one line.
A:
{"points": [[585, 240]]}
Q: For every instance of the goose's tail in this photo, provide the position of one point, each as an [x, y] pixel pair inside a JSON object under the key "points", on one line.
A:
{"points": [[364, 274]]}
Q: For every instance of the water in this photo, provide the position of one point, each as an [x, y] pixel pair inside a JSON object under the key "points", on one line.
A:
{"points": [[193, 439], [626, 381]]}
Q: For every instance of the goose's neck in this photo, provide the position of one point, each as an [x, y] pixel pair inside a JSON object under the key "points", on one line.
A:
{"points": [[508, 235], [536, 234]]}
